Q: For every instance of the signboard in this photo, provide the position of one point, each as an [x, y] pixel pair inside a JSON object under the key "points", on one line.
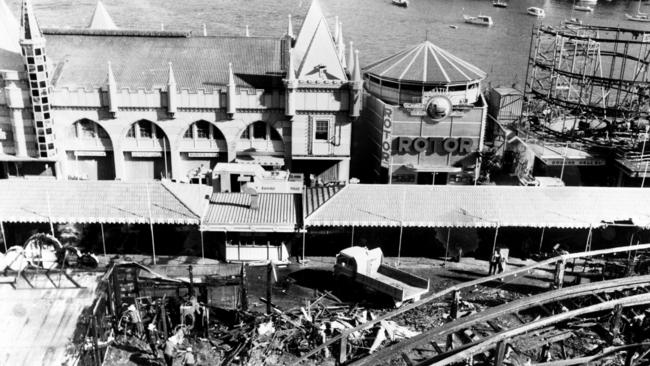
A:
{"points": [[575, 162], [387, 129], [202, 154], [429, 145], [145, 154], [90, 153]]}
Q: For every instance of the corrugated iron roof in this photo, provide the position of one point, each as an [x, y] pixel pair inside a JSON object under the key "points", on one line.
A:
{"points": [[426, 63], [232, 212], [139, 61], [91, 202], [483, 206], [315, 197]]}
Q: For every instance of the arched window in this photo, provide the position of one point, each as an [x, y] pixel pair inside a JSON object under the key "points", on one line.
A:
{"points": [[87, 129], [203, 130], [260, 131], [144, 129]]}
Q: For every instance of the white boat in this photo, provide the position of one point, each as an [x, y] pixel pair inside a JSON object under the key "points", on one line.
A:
{"points": [[573, 21], [589, 1], [403, 3], [478, 20], [639, 16], [499, 4], [583, 8], [535, 11]]}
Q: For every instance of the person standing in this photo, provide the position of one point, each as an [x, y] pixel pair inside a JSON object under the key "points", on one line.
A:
{"points": [[494, 261], [170, 350]]}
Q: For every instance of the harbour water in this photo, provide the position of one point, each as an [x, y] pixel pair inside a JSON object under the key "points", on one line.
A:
{"points": [[377, 28]]}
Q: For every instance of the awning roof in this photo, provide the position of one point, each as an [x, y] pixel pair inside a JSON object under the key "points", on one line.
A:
{"points": [[231, 212], [261, 160], [108, 202], [482, 206]]}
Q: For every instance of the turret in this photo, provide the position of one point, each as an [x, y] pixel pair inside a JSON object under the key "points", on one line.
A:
{"points": [[340, 45], [112, 92], [355, 88], [350, 59], [291, 85], [290, 28], [33, 47], [172, 95], [231, 93]]}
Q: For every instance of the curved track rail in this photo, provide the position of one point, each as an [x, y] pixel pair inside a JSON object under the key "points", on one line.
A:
{"points": [[559, 262]]}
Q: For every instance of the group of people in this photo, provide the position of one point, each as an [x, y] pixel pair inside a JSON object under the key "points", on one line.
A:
{"points": [[498, 262]]}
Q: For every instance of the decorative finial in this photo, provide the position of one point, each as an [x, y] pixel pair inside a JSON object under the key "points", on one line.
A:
{"points": [[247, 32], [162, 26], [205, 30], [290, 28]]}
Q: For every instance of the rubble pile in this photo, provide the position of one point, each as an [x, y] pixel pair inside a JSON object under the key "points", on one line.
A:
{"points": [[284, 336]]}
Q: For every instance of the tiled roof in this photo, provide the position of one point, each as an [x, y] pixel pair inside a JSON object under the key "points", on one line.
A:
{"points": [[426, 63], [9, 30], [232, 212], [91, 202], [482, 206], [314, 197], [80, 60]]}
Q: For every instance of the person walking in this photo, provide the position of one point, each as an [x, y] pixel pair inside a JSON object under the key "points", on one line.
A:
{"points": [[494, 262]]}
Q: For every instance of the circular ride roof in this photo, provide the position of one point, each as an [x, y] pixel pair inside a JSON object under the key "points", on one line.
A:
{"points": [[426, 63]]}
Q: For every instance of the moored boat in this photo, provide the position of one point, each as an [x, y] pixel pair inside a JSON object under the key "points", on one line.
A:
{"points": [[535, 11], [499, 4], [573, 21], [478, 20], [402, 3], [637, 17], [583, 8]]}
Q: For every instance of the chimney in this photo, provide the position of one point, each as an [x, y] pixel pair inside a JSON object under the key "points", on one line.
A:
{"points": [[255, 198]]}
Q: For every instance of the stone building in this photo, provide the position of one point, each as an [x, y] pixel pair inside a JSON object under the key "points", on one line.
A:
{"points": [[109, 103]]}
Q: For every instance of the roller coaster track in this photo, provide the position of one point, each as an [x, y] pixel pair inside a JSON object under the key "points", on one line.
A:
{"points": [[541, 318], [454, 291]]}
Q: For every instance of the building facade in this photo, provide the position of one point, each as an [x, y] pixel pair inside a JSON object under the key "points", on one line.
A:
{"points": [[110, 103], [425, 118]]}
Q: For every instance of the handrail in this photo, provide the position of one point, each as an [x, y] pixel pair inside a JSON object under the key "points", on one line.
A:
{"points": [[464, 285]]}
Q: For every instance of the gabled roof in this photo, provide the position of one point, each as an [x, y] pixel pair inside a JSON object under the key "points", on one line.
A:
{"points": [[101, 19], [9, 30], [321, 53], [231, 212], [93, 202], [142, 61], [482, 206], [425, 63], [314, 197]]}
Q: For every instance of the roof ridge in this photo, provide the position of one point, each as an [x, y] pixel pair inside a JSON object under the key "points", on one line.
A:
{"points": [[162, 183]]}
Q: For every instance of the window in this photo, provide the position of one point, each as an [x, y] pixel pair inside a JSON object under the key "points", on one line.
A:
{"points": [[37, 51], [202, 130], [146, 130], [246, 134], [131, 132], [87, 130], [321, 131], [40, 68], [259, 130], [188, 133]]}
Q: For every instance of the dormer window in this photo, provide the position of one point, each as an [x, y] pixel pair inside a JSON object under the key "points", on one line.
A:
{"points": [[322, 70]]}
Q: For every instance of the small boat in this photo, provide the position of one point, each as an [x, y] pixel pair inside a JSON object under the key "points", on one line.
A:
{"points": [[499, 4], [402, 3], [535, 11], [589, 1], [478, 20], [453, 26], [583, 8], [637, 17], [573, 21]]}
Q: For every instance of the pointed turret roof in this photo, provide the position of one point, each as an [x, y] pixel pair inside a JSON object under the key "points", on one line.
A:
{"points": [[101, 19], [9, 30], [308, 29], [28, 24], [321, 52], [171, 80], [426, 63]]}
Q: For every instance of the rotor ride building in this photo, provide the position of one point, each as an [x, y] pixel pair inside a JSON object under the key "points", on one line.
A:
{"points": [[424, 117], [589, 86]]}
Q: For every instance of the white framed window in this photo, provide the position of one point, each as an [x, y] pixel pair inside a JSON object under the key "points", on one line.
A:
{"points": [[322, 130]]}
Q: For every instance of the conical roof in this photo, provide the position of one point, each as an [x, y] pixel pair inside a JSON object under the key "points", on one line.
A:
{"points": [[426, 63], [101, 19], [9, 30]]}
